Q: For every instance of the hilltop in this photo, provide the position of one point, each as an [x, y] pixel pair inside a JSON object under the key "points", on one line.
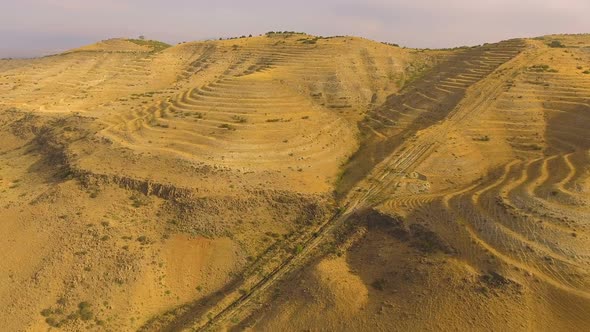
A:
{"points": [[295, 180]]}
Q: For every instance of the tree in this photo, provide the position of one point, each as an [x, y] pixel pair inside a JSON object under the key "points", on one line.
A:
{"points": [[142, 37]]}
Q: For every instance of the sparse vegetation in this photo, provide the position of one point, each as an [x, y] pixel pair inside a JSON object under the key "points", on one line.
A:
{"points": [[85, 311], [143, 240], [378, 284], [239, 119], [484, 138], [556, 44], [138, 200], [155, 45], [542, 68], [358, 172]]}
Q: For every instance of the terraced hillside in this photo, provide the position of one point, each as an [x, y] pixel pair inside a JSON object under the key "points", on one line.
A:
{"points": [[163, 174], [423, 103], [295, 182], [491, 202]]}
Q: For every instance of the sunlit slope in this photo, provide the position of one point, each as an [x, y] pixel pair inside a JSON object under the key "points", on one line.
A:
{"points": [[285, 104], [483, 207], [140, 178]]}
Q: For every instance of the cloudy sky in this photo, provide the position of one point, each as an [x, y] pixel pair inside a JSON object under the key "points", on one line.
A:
{"points": [[37, 27]]}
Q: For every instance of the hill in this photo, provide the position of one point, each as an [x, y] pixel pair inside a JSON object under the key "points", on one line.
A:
{"points": [[300, 181]]}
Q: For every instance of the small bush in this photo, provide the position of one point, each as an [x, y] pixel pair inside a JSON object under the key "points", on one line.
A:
{"points": [[484, 138], [542, 68], [227, 126], [556, 44], [378, 284], [239, 119], [73, 316], [86, 314], [143, 239], [84, 305], [85, 311], [139, 200], [46, 312], [52, 322]]}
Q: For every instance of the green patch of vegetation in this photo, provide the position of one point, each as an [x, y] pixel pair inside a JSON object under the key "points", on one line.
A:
{"points": [[155, 45], [85, 311], [298, 249], [57, 318], [586, 72], [556, 44]]}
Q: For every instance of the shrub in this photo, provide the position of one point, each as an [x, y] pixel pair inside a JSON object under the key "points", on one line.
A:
{"points": [[143, 239], [139, 200], [542, 68], [378, 284], [84, 305], [86, 314], [484, 138], [85, 311], [298, 249], [239, 119], [52, 322], [556, 44], [46, 312]]}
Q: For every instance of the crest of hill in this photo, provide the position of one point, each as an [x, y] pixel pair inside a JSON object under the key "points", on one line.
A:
{"points": [[123, 45], [581, 40]]}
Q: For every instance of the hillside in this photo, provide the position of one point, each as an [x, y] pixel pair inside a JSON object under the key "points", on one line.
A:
{"points": [[296, 182]]}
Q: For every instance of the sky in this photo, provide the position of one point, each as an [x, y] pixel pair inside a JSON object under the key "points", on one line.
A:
{"points": [[40, 27]]}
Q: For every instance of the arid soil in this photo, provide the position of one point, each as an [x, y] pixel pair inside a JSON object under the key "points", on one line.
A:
{"points": [[291, 182]]}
